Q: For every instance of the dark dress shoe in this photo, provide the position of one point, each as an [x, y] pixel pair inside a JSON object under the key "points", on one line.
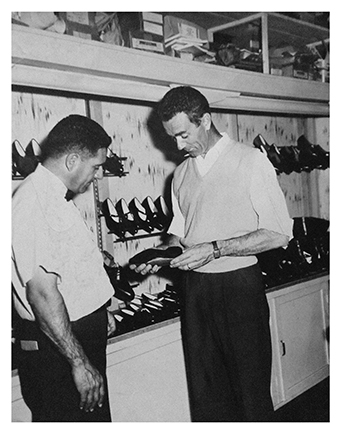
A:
{"points": [[113, 164], [126, 217], [111, 218], [308, 157], [140, 215], [309, 226], [122, 288], [301, 257], [277, 161], [290, 156], [271, 151], [33, 151], [23, 165], [163, 215], [152, 213], [161, 257], [319, 155], [260, 143]]}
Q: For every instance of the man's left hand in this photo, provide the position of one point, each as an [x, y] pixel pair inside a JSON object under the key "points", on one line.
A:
{"points": [[193, 257]]}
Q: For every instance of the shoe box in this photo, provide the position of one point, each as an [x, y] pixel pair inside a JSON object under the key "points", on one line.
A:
{"points": [[80, 24]]}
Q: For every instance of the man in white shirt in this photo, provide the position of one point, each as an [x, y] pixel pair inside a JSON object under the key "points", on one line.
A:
{"points": [[227, 207], [60, 287]]}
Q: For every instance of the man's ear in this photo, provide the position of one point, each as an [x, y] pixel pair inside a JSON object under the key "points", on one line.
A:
{"points": [[206, 121], [72, 161]]}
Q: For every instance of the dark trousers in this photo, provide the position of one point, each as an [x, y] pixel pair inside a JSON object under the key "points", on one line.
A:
{"points": [[46, 381], [227, 346]]}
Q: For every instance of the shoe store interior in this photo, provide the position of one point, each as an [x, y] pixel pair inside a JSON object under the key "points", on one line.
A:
{"points": [[266, 78]]}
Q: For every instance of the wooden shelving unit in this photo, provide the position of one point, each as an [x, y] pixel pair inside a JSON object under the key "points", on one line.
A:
{"points": [[72, 64]]}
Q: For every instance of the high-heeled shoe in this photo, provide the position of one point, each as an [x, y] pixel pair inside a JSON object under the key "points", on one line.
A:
{"points": [[113, 164], [308, 158], [309, 226], [122, 288], [33, 150], [126, 217], [152, 213], [140, 215], [271, 151], [291, 157], [163, 214], [160, 257], [23, 164], [319, 155], [260, 143], [111, 218]]}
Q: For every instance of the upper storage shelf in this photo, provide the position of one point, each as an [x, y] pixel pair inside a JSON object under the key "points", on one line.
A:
{"points": [[48, 60]]}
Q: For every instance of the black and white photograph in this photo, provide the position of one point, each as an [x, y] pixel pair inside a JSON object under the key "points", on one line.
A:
{"points": [[170, 215]]}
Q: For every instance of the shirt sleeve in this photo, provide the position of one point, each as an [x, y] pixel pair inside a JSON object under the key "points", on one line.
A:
{"points": [[32, 247], [177, 226], [268, 199]]}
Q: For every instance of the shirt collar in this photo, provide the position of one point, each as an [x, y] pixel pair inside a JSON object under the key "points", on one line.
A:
{"points": [[205, 163], [51, 193]]}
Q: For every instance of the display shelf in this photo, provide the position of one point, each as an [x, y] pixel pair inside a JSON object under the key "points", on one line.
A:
{"points": [[275, 30], [43, 59]]}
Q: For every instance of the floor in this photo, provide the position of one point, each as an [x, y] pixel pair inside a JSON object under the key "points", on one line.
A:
{"points": [[311, 406]]}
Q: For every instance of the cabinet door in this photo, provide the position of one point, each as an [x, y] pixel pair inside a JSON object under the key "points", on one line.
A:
{"points": [[302, 344]]}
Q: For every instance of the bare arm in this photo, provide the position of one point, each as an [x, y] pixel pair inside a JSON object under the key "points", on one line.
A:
{"points": [[51, 314], [255, 242]]}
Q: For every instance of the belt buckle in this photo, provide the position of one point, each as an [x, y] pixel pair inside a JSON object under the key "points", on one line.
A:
{"points": [[29, 345]]}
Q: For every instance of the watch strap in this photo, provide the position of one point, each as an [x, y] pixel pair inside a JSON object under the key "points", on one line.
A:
{"points": [[216, 250]]}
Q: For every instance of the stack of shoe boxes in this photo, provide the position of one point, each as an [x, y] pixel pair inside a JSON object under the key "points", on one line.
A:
{"points": [[80, 24], [143, 30]]}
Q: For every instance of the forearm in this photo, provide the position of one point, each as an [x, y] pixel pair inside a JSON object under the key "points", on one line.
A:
{"points": [[51, 314], [196, 256], [252, 243]]}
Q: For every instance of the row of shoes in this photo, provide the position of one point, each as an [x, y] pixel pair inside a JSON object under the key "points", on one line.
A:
{"points": [[147, 309], [113, 165], [122, 218], [25, 159], [304, 157], [306, 254]]}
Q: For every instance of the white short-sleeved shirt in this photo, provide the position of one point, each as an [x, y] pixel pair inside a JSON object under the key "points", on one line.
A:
{"points": [[49, 232]]}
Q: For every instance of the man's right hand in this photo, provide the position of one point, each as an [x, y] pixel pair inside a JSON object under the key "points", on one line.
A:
{"points": [[89, 384], [145, 269]]}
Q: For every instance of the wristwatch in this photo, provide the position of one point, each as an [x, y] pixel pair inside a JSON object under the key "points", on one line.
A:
{"points": [[216, 250]]}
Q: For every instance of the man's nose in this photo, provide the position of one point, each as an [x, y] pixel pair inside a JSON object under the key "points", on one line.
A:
{"points": [[180, 143], [99, 173]]}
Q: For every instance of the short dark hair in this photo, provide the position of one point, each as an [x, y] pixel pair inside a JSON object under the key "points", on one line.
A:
{"points": [[184, 99], [75, 133]]}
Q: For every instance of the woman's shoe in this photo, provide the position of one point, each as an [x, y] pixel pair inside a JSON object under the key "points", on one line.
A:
{"points": [[271, 151], [308, 157], [126, 217], [23, 164], [260, 143], [161, 257], [163, 215], [113, 164], [111, 218], [152, 213], [123, 290], [291, 157], [33, 151], [140, 215]]}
